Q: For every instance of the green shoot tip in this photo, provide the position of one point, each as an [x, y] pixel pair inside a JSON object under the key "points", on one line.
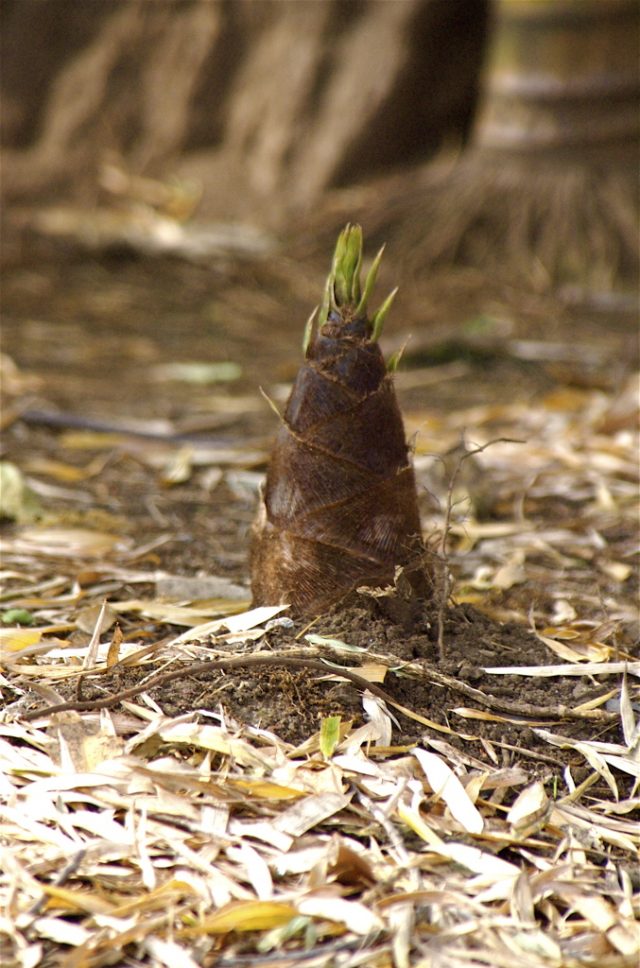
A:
{"points": [[343, 292], [308, 330], [381, 314]]}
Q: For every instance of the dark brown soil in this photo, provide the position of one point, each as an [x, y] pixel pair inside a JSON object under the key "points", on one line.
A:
{"points": [[292, 702]]}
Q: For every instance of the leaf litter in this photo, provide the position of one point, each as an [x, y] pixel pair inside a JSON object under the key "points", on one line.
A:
{"points": [[469, 808]]}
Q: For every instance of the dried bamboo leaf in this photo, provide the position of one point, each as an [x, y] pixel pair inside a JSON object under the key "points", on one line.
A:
{"points": [[446, 784], [630, 728], [256, 869], [311, 812], [169, 954], [242, 916], [243, 622], [587, 668], [530, 806], [61, 931], [356, 917], [18, 639]]}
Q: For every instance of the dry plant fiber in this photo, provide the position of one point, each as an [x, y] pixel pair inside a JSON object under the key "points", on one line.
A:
{"points": [[548, 191], [339, 507]]}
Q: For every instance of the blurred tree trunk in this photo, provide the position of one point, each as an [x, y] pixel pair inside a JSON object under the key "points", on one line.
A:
{"points": [[267, 103]]}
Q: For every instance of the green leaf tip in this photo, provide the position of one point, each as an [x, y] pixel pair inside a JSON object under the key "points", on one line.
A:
{"points": [[343, 293], [347, 261], [394, 360], [381, 314], [329, 735], [308, 331], [369, 283]]}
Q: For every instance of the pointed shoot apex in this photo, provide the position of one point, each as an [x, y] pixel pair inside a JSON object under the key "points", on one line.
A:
{"points": [[308, 331], [338, 285], [394, 360], [369, 283], [379, 317], [346, 265], [343, 292]]}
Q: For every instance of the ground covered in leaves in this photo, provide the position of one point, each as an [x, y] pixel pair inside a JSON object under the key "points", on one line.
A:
{"points": [[449, 784]]}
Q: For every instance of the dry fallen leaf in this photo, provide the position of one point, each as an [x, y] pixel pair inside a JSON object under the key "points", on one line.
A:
{"points": [[446, 784]]}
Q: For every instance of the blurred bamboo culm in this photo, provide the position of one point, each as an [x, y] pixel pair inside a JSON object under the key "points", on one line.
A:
{"points": [[548, 191], [340, 506], [563, 80]]}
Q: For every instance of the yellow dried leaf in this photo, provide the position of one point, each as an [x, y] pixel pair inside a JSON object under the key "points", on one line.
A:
{"points": [[76, 900], [373, 671], [114, 647], [61, 931], [83, 746], [579, 651], [380, 720], [347, 866], [585, 669], [411, 817], [562, 632], [98, 749], [596, 702], [59, 471], [480, 714], [565, 399], [535, 943], [467, 597], [161, 896], [198, 372], [15, 639], [267, 790], [91, 440], [53, 672], [439, 728], [584, 643], [564, 651], [244, 916], [622, 933]]}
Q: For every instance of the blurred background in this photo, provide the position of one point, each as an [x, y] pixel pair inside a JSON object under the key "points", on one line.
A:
{"points": [[259, 107], [498, 135], [175, 173]]}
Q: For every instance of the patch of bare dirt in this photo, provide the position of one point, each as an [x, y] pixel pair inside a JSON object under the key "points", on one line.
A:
{"points": [[489, 717]]}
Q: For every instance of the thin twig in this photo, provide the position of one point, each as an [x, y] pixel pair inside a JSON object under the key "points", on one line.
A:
{"points": [[556, 711], [197, 668], [60, 879], [317, 665]]}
